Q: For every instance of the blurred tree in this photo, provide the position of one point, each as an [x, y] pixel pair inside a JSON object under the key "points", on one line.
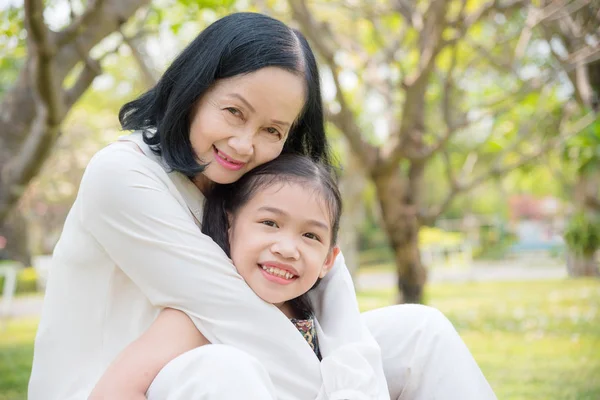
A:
{"points": [[573, 35], [453, 84], [36, 104], [127, 70]]}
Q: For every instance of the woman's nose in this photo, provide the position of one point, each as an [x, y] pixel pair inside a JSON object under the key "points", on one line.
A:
{"points": [[242, 143]]}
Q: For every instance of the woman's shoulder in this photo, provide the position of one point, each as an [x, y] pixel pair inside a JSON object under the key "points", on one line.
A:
{"points": [[122, 156]]}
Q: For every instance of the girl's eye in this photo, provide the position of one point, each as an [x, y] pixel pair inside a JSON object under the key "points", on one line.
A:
{"points": [[269, 223], [312, 236]]}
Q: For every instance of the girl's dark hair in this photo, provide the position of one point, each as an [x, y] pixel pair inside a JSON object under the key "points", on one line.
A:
{"points": [[237, 44], [225, 200]]}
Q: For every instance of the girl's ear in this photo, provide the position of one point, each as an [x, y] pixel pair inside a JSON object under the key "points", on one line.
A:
{"points": [[328, 264]]}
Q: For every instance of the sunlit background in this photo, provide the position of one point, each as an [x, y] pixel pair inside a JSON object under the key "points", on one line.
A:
{"points": [[467, 133]]}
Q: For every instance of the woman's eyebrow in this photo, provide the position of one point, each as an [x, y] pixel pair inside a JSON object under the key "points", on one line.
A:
{"points": [[280, 122], [247, 104], [243, 100]]}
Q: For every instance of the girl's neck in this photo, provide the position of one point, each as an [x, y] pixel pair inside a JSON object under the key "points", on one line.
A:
{"points": [[287, 309]]}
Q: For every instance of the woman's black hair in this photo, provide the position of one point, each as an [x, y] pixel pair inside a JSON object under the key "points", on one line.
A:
{"points": [[226, 200], [237, 44]]}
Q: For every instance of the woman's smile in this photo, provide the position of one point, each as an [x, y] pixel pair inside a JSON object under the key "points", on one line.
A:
{"points": [[226, 161]]}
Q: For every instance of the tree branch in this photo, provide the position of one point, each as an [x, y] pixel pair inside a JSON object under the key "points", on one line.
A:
{"points": [[90, 71], [321, 38], [79, 24], [499, 171], [43, 69], [148, 73], [407, 141]]}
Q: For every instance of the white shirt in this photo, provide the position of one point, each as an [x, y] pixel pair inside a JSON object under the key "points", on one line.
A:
{"points": [[131, 246]]}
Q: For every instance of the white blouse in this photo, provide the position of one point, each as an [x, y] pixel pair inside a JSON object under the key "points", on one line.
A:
{"points": [[131, 245]]}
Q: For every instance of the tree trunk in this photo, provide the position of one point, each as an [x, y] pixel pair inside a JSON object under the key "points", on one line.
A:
{"points": [[585, 194], [15, 231], [582, 265], [352, 183], [400, 219]]}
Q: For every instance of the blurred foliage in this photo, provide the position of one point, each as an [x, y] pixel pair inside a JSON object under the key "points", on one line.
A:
{"points": [[26, 281], [12, 45], [582, 233], [584, 149]]}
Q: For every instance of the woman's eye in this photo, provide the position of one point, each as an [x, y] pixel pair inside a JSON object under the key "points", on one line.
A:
{"points": [[269, 223], [312, 236], [234, 111], [273, 131]]}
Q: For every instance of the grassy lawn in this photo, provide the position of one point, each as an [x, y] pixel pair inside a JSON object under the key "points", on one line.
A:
{"points": [[534, 340], [16, 353]]}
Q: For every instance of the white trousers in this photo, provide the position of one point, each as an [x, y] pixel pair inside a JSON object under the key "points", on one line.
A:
{"points": [[423, 358]]}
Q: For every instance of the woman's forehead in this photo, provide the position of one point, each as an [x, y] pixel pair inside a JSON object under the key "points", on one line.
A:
{"points": [[267, 90]]}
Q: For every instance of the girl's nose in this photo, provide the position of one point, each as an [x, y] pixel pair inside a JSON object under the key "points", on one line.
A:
{"points": [[242, 144], [286, 248]]}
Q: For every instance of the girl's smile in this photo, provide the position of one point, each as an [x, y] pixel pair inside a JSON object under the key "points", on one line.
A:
{"points": [[278, 272]]}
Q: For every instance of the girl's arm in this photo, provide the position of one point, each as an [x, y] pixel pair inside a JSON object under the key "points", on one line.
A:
{"points": [[134, 369], [130, 206]]}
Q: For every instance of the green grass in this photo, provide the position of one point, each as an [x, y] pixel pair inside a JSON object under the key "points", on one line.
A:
{"points": [[16, 353], [533, 340]]}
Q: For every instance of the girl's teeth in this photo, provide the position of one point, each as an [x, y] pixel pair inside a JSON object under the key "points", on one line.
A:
{"points": [[278, 272]]}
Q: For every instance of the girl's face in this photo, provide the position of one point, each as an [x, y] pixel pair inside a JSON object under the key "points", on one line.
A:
{"points": [[280, 241], [243, 121]]}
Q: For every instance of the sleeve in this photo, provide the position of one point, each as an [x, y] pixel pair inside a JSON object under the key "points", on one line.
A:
{"points": [[126, 205], [352, 367]]}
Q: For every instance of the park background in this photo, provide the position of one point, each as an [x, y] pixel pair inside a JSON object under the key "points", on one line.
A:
{"points": [[468, 139]]}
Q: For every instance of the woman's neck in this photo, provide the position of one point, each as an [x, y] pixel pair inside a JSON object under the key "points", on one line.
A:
{"points": [[202, 183]]}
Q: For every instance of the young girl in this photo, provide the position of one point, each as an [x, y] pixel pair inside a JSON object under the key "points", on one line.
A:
{"points": [[279, 225]]}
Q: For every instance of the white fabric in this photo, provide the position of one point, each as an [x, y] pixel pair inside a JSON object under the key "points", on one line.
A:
{"points": [[130, 246], [424, 359], [216, 371]]}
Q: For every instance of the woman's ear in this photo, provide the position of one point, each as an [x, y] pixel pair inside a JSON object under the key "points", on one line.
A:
{"points": [[328, 264]]}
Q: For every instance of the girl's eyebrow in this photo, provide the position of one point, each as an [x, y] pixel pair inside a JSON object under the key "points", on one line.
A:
{"points": [[277, 211], [247, 104]]}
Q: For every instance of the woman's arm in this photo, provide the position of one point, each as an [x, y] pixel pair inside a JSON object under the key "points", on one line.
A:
{"points": [[134, 369], [128, 203]]}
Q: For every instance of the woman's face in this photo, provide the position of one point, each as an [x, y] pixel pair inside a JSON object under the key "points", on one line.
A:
{"points": [[281, 241], [243, 121]]}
